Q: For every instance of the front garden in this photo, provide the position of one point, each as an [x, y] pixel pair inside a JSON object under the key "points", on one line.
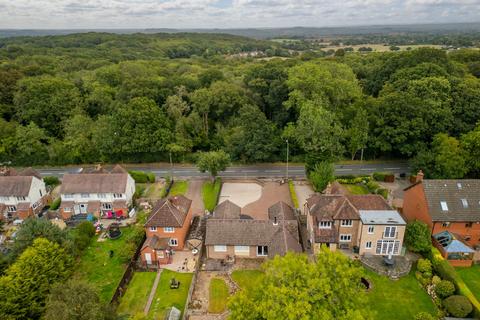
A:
{"points": [[179, 187], [210, 193]]}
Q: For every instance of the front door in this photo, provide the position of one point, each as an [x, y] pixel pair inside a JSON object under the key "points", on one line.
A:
{"points": [[76, 209], [83, 208], [148, 258]]}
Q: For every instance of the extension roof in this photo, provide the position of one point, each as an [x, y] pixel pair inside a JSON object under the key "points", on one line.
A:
{"points": [[227, 210], [170, 212]]}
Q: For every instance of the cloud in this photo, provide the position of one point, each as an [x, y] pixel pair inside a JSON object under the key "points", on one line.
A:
{"points": [[229, 13]]}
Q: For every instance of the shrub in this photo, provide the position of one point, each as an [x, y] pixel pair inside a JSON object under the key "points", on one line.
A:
{"points": [[86, 228], [457, 306], [379, 176], [151, 177], [422, 278], [139, 190], [424, 316], [424, 266], [436, 280], [55, 204], [372, 186], [322, 174], [444, 289], [51, 181], [383, 192], [139, 176], [127, 252], [136, 236], [417, 237]]}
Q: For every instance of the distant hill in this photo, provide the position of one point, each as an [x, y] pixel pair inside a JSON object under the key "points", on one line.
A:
{"points": [[269, 33]]}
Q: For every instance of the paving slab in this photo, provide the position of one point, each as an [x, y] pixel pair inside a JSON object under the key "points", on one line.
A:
{"points": [[240, 193]]}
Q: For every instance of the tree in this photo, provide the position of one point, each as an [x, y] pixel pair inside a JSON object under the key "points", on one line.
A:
{"points": [[319, 133], [31, 145], [449, 158], [321, 175], [73, 300], [26, 284], [417, 236], [213, 162], [470, 145], [294, 287], [357, 132]]}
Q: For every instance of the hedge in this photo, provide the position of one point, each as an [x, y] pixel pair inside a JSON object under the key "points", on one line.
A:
{"points": [[293, 194], [142, 177], [447, 272]]}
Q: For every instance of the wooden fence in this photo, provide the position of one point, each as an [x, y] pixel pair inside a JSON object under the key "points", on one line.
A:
{"points": [[192, 284]]}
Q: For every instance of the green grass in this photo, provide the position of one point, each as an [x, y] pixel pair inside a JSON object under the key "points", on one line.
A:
{"points": [[179, 187], [356, 189], [293, 194], [218, 295], [210, 193], [150, 190], [137, 293], [397, 300], [471, 276], [166, 297], [247, 278], [96, 266]]}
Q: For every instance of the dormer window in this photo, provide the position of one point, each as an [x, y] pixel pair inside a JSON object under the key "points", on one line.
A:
{"points": [[465, 203], [118, 195], [325, 225], [459, 185], [444, 205]]}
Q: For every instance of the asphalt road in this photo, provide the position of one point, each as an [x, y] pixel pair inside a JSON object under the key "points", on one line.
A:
{"points": [[253, 171]]}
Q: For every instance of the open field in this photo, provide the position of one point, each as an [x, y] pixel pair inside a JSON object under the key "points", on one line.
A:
{"points": [[99, 269], [381, 47]]}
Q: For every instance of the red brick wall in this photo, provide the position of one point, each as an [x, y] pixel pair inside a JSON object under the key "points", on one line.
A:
{"points": [[155, 259], [415, 205], [180, 233], [461, 229]]}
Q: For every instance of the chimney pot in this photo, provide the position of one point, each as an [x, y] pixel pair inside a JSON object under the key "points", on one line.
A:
{"points": [[420, 176]]}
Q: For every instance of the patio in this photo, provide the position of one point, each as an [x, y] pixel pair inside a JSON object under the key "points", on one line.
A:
{"points": [[400, 268], [182, 261]]}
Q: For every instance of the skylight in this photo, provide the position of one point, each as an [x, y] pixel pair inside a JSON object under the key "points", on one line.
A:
{"points": [[465, 203], [444, 205], [459, 185]]}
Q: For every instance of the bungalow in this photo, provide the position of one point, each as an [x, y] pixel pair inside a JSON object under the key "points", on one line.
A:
{"points": [[99, 193], [446, 205], [364, 223], [230, 234], [166, 229], [22, 194]]}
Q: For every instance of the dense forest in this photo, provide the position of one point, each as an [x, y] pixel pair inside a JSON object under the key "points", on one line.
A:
{"points": [[93, 97]]}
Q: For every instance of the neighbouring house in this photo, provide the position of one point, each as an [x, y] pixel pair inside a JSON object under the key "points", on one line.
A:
{"points": [[103, 194], [446, 205], [454, 249], [230, 234], [166, 229], [354, 222], [22, 194]]}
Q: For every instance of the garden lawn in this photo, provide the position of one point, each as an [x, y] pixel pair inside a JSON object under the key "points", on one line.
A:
{"points": [[137, 293], [218, 295], [97, 268], [471, 276], [356, 189], [150, 190], [397, 300], [166, 297], [179, 187], [247, 278], [210, 193]]}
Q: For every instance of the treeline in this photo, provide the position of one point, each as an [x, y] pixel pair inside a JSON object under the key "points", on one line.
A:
{"points": [[57, 110]]}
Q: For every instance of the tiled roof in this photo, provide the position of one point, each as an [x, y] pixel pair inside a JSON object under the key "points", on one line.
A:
{"points": [[94, 183], [30, 172], [326, 235], [461, 199], [15, 186], [156, 243], [170, 212], [281, 211], [227, 210]]}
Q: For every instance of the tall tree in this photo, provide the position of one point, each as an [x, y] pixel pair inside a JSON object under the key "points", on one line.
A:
{"points": [[213, 162], [357, 132], [470, 145], [31, 145], [294, 287]]}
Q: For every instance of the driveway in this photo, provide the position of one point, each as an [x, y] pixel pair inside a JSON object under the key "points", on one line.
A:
{"points": [[272, 192], [303, 191], [194, 193], [240, 193]]}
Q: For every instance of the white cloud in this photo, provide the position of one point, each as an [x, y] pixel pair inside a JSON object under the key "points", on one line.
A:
{"points": [[229, 13]]}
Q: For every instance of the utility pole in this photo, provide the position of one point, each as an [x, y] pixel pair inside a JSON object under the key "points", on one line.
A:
{"points": [[171, 165], [287, 159]]}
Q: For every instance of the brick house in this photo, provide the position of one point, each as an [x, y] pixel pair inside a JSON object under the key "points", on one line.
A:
{"points": [[22, 194], [335, 220], [446, 205], [166, 229], [230, 234], [99, 193]]}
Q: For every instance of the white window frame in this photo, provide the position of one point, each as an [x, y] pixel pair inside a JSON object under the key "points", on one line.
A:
{"points": [[388, 234], [11, 209], [346, 238], [346, 223], [153, 229], [118, 195], [262, 251], [68, 196], [464, 203], [107, 206], [4, 199], [371, 229], [325, 225], [85, 195], [444, 205], [368, 245], [67, 209], [173, 242], [169, 229], [21, 198], [102, 195], [35, 205], [242, 249], [386, 247], [220, 248]]}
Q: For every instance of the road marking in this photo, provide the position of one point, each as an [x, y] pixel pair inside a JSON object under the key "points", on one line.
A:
{"points": [[248, 171], [273, 171], [393, 168], [368, 169], [343, 169]]}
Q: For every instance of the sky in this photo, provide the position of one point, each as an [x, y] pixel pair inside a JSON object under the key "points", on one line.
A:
{"points": [[122, 14]]}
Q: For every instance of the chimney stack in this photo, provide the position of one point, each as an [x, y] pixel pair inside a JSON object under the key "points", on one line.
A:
{"points": [[419, 176]]}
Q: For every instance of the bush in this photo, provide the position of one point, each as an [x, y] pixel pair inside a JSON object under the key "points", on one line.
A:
{"points": [[424, 316], [55, 204], [139, 176], [372, 186], [417, 237], [136, 236], [127, 252], [383, 192], [457, 306], [424, 266], [86, 228], [379, 176], [322, 174], [350, 179], [51, 181], [444, 289], [151, 177], [436, 280]]}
